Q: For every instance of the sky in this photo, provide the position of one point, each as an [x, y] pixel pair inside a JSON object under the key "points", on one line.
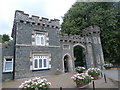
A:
{"points": [[43, 8]]}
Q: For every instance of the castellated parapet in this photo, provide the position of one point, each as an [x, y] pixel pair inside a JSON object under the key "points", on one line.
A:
{"points": [[90, 30], [20, 16], [72, 38]]}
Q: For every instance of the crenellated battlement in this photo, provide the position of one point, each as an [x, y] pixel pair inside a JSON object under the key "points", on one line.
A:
{"points": [[80, 38], [90, 30], [20, 16], [71, 38]]}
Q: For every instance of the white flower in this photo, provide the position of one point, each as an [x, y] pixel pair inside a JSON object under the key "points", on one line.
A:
{"points": [[39, 81], [21, 86], [28, 86], [77, 74], [40, 86], [92, 78], [72, 77], [43, 83], [44, 79], [48, 83]]}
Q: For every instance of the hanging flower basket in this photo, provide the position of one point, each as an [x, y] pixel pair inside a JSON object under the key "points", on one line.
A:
{"points": [[82, 80]]}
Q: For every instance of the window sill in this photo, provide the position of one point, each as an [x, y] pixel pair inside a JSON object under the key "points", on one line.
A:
{"points": [[6, 72], [41, 70]]}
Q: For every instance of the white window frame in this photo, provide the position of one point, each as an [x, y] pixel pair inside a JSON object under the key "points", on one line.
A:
{"points": [[38, 57], [39, 42], [4, 69]]}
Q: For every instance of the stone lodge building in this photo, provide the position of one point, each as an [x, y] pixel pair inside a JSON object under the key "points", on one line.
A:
{"points": [[38, 49]]}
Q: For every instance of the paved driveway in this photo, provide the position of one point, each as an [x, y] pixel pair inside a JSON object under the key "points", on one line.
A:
{"points": [[113, 74], [64, 81]]}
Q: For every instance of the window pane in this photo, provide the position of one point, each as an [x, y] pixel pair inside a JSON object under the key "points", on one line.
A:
{"points": [[35, 63], [8, 66], [42, 40], [38, 40], [40, 63], [45, 63]]}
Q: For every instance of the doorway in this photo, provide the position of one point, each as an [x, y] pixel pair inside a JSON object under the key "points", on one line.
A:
{"points": [[79, 56], [68, 66]]}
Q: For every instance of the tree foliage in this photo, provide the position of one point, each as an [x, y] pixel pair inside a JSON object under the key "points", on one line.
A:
{"points": [[4, 38], [102, 14]]}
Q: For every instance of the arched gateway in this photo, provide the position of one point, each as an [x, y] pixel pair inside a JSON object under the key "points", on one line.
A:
{"points": [[90, 43]]}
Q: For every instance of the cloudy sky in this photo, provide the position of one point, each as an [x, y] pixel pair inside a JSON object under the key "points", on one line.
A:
{"points": [[43, 8]]}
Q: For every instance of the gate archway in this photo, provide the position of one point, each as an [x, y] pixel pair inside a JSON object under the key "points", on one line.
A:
{"points": [[90, 42], [79, 55]]}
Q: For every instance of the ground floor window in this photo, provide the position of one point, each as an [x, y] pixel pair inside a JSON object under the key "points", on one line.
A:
{"points": [[8, 65], [40, 62]]}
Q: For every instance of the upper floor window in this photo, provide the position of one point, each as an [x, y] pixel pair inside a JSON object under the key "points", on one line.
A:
{"points": [[40, 39], [8, 65]]}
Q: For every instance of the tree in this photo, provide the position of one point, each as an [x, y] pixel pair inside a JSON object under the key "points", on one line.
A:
{"points": [[5, 38], [102, 14]]}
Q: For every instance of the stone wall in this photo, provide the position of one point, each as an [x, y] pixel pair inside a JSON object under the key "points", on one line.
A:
{"points": [[7, 51]]}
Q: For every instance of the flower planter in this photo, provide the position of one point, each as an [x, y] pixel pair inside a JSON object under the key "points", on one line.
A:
{"points": [[85, 85], [95, 77], [80, 69], [80, 72], [94, 72], [107, 68]]}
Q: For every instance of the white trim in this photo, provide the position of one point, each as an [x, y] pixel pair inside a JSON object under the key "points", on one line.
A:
{"points": [[42, 57], [41, 41], [5, 64]]}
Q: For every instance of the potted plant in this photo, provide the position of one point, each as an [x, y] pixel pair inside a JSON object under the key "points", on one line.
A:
{"points": [[81, 79], [108, 65], [36, 83], [80, 69], [94, 72]]}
